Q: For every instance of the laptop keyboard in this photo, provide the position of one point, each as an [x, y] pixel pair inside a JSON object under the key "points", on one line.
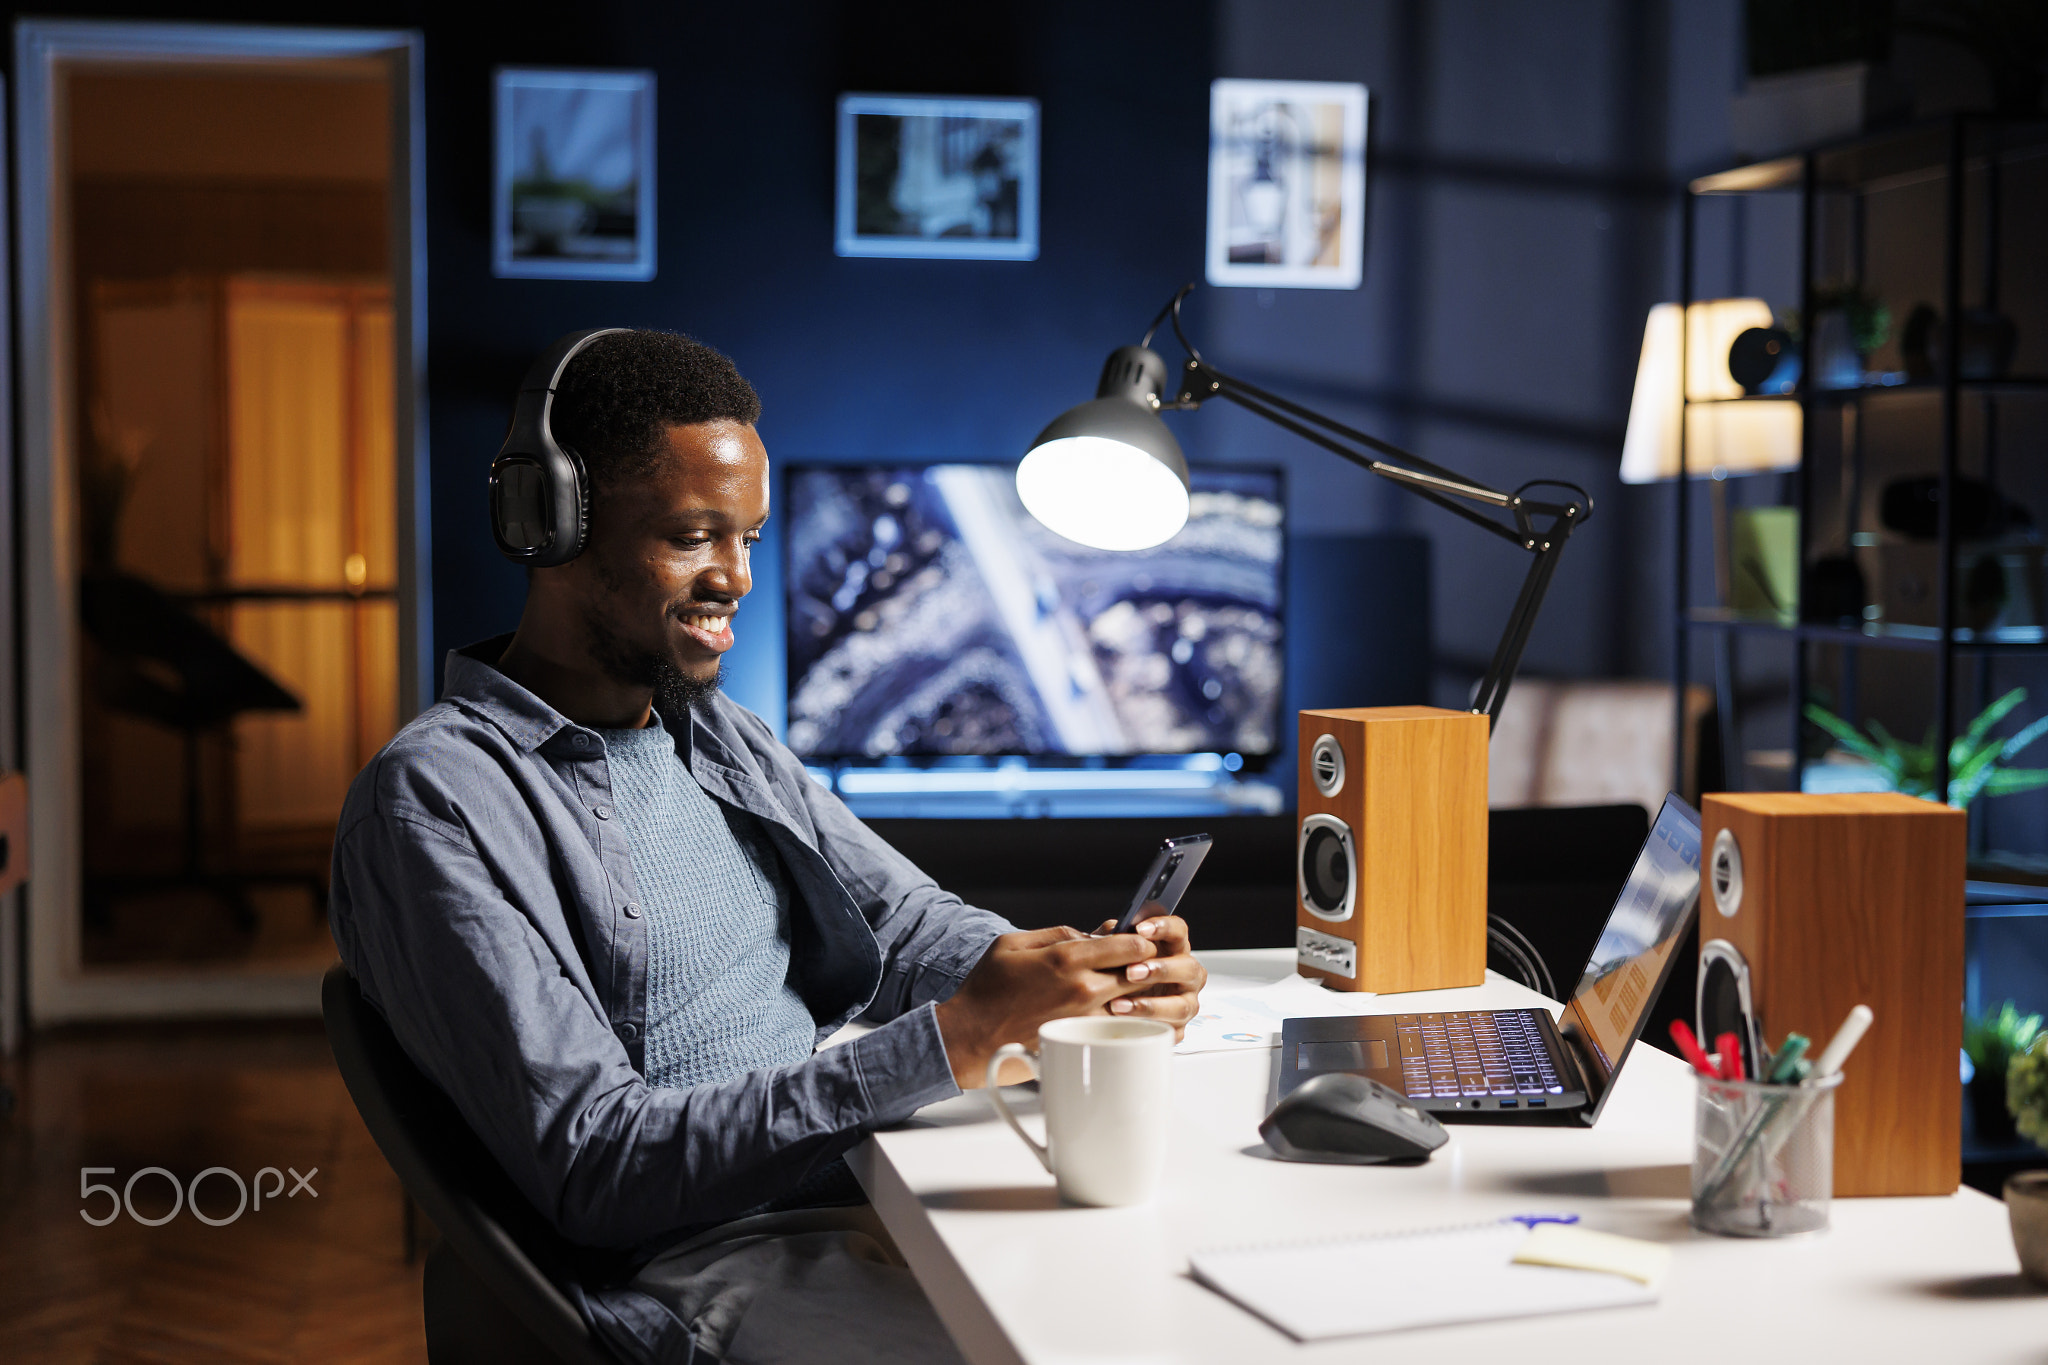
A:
{"points": [[1474, 1053]]}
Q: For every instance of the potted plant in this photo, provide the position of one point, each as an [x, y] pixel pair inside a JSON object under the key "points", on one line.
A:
{"points": [[1849, 323], [1991, 1041], [2026, 1194], [1978, 762]]}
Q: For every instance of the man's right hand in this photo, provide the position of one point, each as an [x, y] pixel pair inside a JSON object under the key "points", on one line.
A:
{"points": [[1025, 979]]}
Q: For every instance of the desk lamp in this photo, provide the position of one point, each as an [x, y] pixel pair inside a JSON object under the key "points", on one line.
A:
{"points": [[1391, 858], [1109, 474]]}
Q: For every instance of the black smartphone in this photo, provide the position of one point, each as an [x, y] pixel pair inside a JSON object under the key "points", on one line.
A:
{"points": [[1173, 867]]}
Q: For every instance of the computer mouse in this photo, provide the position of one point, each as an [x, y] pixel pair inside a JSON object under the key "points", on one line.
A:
{"points": [[1348, 1120]]}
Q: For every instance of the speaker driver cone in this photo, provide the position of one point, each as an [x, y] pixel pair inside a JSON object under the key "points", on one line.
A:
{"points": [[1328, 867]]}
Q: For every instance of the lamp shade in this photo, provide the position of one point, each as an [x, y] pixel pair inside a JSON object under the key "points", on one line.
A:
{"points": [[1108, 473], [1722, 436]]}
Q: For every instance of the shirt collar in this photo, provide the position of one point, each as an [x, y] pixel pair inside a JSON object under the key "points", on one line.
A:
{"points": [[473, 681]]}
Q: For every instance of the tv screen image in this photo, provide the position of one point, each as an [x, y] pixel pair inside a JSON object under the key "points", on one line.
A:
{"points": [[930, 614]]}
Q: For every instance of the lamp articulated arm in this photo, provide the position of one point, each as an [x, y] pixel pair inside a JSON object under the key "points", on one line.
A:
{"points": [[1537, 526]]}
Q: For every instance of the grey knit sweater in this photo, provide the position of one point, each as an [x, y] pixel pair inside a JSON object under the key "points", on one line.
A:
{"points": [[719, 1002]]}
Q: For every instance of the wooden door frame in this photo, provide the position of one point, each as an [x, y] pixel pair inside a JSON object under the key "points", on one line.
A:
{"points": [[60, 986]]}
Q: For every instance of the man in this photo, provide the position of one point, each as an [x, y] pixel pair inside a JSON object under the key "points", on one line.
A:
{"points": [[612, 917]]}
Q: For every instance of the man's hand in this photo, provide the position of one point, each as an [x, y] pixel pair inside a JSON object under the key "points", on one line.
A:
{"points": [[1028, 978], [1173, 980]]}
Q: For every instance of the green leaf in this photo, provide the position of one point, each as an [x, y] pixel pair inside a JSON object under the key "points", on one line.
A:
{"points": [[2024, 738], [1993, 714], [1845, 734], [1968, 766], [2006, 781], [1963, 790], [1993, 1039]]}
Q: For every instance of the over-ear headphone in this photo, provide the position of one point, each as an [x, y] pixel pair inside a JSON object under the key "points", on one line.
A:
{"points": [[540, 493]]}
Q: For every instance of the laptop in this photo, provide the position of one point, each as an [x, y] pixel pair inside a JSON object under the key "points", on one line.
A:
{"points": [[1517, 1065]]}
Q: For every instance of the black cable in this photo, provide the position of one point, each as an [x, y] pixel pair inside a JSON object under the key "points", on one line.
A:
{"points": [[1172, 310], [1582, 497], [1515, 945], [1504, 948]]}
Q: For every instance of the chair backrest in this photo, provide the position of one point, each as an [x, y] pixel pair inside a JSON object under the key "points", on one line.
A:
{"points": [[1590, 742], [452, 1177]]}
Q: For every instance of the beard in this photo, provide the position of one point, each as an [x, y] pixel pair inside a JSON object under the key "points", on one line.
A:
{"points": [[675, 692]]}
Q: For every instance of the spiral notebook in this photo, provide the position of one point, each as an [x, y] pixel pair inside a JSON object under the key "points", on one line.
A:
{"points": [[1314, 1291]]}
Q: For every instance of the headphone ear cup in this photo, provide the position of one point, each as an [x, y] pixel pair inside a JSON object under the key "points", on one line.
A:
{"points": [[540, 507], [521, 516], [576, 528], [540, 491]]}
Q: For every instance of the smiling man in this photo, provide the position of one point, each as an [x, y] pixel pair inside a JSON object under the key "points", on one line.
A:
{"points": [[609, 914]]}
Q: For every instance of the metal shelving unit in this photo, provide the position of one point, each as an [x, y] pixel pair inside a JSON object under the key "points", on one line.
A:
{"points": [[1953, 151]]}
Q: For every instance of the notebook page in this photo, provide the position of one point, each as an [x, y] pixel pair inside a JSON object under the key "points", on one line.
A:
{"points": [[1314, 1291]]}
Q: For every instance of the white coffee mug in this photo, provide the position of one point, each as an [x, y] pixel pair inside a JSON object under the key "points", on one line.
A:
{"points": [[1104, 1086]]}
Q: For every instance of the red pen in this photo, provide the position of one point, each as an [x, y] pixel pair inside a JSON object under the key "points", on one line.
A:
{"points": [[1730, 1048], [1689, 1048]]}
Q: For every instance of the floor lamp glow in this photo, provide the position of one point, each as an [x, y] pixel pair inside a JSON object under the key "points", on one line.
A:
{"points": [[1391, 854], [1689, 415]]}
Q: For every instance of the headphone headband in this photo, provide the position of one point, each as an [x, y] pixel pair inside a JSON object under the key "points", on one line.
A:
{"points": [[540, 493]]}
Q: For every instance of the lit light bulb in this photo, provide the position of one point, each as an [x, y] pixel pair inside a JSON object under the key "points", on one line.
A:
{"points": [[1102, 493]]}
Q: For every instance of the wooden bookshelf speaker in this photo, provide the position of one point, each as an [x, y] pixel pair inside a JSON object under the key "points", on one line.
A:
{"points": [[1390, 863], [1813, 904]]}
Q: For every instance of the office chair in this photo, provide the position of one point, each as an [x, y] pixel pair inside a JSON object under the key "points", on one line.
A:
{"points": [[488, 1299]]}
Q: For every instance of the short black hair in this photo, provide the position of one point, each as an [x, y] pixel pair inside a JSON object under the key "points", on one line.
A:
{"points": [[621, 393]]}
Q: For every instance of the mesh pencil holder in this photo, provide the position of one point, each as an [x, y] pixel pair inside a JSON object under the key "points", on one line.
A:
{"points": [[1763, 1162]]}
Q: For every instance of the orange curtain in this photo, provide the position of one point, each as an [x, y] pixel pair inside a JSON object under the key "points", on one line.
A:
{"points": [[310, 499]]}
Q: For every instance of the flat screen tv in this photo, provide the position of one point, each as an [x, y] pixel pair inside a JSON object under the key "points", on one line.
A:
{"points": [[929, 614]]}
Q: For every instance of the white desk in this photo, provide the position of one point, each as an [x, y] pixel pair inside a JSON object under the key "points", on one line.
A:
{"points": [[1018, 1277]]}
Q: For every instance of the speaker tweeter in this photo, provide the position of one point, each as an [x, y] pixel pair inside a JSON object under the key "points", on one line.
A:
{"points": [[1326, 765], [1724, 873]]}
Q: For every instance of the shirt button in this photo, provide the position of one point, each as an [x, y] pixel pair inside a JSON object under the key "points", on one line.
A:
{"points": [[603, 812], [632, 909], [628, 1031], [581, 741]]}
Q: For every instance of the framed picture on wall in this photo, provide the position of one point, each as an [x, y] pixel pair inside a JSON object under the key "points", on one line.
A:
{"points": [[573, 182], [1287, 184], [940, 176]]}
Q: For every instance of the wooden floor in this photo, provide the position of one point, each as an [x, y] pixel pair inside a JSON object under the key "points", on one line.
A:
{"points": [[305, 1279]]}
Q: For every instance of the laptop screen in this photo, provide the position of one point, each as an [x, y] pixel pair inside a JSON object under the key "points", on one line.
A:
{"points": [[1636, 949]]}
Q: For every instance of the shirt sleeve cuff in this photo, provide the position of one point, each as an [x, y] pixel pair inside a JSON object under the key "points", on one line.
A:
{"points": [[903, 1065], [938, 975]]}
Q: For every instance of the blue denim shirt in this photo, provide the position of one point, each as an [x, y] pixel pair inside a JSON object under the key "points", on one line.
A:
{"points": [[483, 896]]}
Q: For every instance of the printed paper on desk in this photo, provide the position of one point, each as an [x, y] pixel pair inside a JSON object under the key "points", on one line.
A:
{"points": [[1243, 1014]]}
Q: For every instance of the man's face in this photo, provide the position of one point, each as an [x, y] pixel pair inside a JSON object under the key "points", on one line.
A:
{"points": [[668, 557]]}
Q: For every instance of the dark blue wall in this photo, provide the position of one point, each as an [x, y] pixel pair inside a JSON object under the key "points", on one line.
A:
{"points": [[854, 359]]}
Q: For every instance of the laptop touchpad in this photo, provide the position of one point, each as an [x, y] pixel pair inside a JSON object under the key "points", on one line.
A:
{"points": [[1348, 1054]]}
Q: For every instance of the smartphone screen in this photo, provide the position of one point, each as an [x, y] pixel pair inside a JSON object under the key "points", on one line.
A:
{"points": [[1173, 867]]}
